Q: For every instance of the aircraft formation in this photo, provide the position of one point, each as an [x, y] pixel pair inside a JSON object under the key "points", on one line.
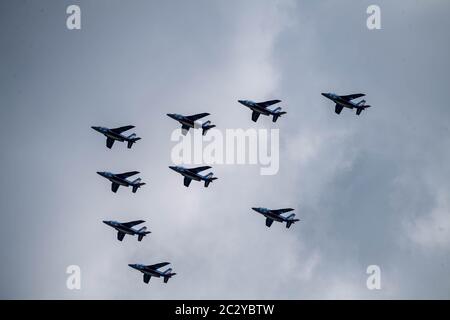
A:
{"points": [[189, 174]]}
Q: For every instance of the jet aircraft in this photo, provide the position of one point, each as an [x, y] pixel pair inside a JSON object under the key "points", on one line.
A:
{"points": [[120, 179], [346, 101], [152, 271], [116, 135], [259, 108], [188, 122], [193, 174], [275, 215], [124, 228]]}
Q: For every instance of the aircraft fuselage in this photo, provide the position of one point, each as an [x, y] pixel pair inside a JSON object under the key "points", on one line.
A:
{"points": [[255, 107], [340, 101], [187, 173]]}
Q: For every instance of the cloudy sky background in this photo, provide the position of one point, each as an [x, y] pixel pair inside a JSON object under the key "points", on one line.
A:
{"points": [[373, 189]]}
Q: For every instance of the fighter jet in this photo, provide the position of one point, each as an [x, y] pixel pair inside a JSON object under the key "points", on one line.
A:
{"points": [[346, 101], [124, 228], [262, 108], [193, 174], [119, 179], [188, 122], [275, 215], [152, 271], [116, 135]]}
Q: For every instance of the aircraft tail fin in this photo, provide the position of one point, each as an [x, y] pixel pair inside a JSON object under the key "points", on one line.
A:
{"points": [[206, 126], [209, 178], [132, 139], [142, 233], [137, 184], [277, 113], [360, 109], [291, 220], [168, 274]]}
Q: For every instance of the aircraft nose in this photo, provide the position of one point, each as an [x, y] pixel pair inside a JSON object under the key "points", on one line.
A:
{"points": [[254, 208], [173, 167], [241, 101], [325, 94], [105, 221]]}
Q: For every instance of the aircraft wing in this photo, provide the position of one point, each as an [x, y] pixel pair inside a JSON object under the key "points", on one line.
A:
{"points": [[187, 181], [353, 96], [114, 187], [147, 277], [199, 169], [280, 211], [338, 108], [109, 142], [158, 265], [120, 235], [269, 222], [132, 223], [269, 103], [122, 129], [197, 116], [127, 174], [255, 116]]}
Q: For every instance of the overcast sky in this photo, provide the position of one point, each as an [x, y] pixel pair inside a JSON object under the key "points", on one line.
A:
{"points": [[373, 189]]}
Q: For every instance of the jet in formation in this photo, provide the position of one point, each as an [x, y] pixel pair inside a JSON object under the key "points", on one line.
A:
{"points": [[259, 108], [346, 101], [116, 135], [193, 174], [120, 179], [124, 228], [152, 271], [276, 215], [188, 122]]}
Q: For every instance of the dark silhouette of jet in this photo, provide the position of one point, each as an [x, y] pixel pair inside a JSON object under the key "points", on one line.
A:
{"points": [[119, 179], [275, 215], [346, 101], [152, 271], [124, 228], [188, 122], [262, 108], [116, 135], [193, 174]]}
